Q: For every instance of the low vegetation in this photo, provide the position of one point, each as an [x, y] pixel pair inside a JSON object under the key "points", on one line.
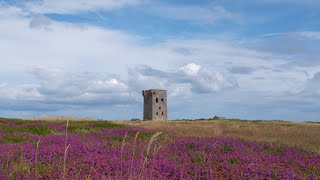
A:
{"points": [[90, 149], [304, 134]]}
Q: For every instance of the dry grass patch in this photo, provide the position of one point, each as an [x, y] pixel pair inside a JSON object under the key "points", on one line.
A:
{"points": [[289, 133], [59, 118]]}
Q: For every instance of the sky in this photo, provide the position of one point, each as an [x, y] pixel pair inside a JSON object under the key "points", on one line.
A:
{"points": [[239, 59]]}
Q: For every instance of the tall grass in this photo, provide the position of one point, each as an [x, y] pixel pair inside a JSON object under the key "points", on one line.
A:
{"points": [[121, 154], [153, 138], [66, 147], [36, 157], [133, 154]]}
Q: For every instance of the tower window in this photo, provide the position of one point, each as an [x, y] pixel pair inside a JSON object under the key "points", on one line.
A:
{"points": [[157, 113], [162, 99], [157, 99], [162, 113], [159, 107]]}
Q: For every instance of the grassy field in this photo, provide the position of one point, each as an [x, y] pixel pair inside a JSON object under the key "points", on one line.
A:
{"points": [[223, 149], [306, 134]]}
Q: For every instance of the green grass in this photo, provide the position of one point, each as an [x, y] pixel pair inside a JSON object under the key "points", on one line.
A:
{"points": [[39, 130], [312, 122], [106, 124], [36, 130], [233, 161], [9, 129], [274, 150], [74, 128], [225, 148], [12, 139], [145, 135], [92, 125]]}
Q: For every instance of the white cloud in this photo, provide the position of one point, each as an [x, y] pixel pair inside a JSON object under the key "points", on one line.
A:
{"points": [[55, 86], [191, 69], [195, 70], [76, 6], [192, 76]]}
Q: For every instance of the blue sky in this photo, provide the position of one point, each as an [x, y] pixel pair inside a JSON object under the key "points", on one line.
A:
{"points": [[248, 59]]}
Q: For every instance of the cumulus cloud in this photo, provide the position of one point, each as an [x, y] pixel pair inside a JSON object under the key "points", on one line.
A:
{"points": [[20, 92], [199, 71], [193, 76], [57, 87]]}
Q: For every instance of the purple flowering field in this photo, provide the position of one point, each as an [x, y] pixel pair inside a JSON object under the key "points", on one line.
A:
{"points": [[103, 150]]}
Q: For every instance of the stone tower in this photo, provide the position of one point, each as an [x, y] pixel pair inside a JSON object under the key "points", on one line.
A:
{"points": [[155, 105]]}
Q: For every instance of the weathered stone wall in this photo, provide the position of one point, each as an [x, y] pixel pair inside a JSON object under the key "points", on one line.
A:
{"points": [[155, 104]]}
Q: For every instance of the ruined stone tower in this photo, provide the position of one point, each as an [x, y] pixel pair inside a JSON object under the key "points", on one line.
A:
{"points": [[155, 105]]}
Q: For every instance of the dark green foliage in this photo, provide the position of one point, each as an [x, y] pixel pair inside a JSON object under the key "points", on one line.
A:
{"points": [[74, 128], [291, 161], [275, 175], [190, 146], [312, 122], [197, 157], [315, 170], [106, 124], [274, 150], [91, 125], [233, 161], [145, 135], [39, 130], [12, 139], [9, 119], [9, 129], [114, 138], [225, 148]]}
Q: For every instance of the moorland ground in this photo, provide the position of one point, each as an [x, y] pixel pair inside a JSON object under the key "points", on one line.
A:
{"points": [[305, 134], [221, 149]]}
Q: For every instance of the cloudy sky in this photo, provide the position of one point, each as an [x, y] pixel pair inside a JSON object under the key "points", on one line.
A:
{"points": [[239, 59]]}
